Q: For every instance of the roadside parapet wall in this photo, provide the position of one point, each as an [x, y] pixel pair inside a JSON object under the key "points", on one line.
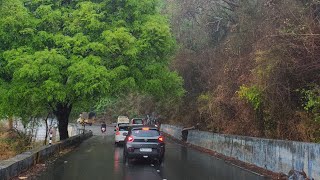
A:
{"points": [[275, 155], [174, 131], [14, 166]]}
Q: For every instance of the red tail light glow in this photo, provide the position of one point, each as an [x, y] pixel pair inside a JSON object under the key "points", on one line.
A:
{"points": [[117, 131], [130, 139], [161, 139]]}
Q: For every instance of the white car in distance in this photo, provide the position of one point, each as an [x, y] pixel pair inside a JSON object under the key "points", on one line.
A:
{"points": [[121, 133]]}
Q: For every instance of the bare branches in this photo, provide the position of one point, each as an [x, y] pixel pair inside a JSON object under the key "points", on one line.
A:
{"points": [[232, 3], [291, 34], [217, 22], [286, 34]]}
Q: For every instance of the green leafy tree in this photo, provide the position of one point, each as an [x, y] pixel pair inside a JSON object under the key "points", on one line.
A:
{"points": [[312, 101], [58, 55]]}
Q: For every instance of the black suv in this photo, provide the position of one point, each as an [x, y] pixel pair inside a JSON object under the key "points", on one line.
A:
{"points": [[144, 142]]}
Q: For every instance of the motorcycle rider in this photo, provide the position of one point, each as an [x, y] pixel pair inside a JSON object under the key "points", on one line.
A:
{"points": [[103, 127]]}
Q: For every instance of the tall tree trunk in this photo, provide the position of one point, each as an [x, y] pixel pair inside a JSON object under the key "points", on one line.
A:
{"points": [[10, 122], [47, 130], [62, 113]]}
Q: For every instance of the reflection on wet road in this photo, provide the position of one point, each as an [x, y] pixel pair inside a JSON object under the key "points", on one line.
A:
{"points": [[98, 158]]}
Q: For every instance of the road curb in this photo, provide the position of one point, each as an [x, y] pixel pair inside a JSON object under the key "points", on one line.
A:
{"points": [[22, 162]]}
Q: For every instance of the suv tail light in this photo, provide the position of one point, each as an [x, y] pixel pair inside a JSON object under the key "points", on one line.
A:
{"points": [[160, 139], [117, 131], [130, 139]]}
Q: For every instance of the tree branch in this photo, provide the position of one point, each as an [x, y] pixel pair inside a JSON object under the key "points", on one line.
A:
{"points": [[231, 4]]}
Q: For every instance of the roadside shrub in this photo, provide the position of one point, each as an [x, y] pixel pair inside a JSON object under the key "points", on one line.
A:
{"points": [[252, 95], [12, 142], [312, 101]]}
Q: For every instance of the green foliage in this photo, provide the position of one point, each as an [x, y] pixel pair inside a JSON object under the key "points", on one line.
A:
{"points": [[3, 99], [312, 101], [252, 94], [131, 104], [16, 24], [203, 97], [54, 53], [103, 104], [120, 42], [163, 83]]}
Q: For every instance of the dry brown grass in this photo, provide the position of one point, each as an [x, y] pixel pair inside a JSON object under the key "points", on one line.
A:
{"points": [[6, 150], [11, 143]]}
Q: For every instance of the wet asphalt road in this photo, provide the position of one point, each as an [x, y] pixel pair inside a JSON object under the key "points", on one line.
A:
{"points": [[99, 159]]}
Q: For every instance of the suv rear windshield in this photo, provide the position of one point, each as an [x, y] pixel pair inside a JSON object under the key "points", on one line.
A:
{"points": [[137, 121], [123, 123], [145, 133], [123, 128]]}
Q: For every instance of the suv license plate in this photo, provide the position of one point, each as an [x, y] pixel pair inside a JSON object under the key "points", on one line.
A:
{"points": [[145, 150]]}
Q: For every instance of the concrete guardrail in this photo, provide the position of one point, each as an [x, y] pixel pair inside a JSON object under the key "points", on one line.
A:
{"points": [[14, 166], [174, 131], [276, 155]]}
